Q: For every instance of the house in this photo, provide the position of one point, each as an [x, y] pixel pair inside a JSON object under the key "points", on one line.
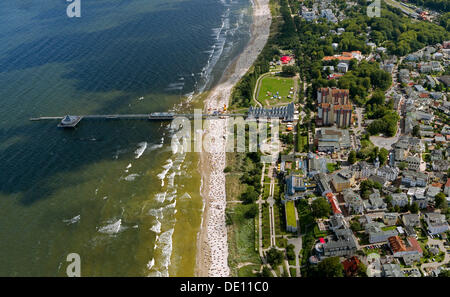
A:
{"points": [[337, 221], [375, 203], [344, 244], [409, 250], [411, 219], [376, 234], [440, 165], [323, 184], [439, 138], [420, 88], [410, 231], [295, 184], [329, 15], [420, 198], [388, 173], [436, 155], [285, 113], [404, 75], [413, 162], [390, 218], [331, 68], [351, 266], [334, 203], [413, 179], [388, 67], [343, 179], [353, 201], [363, 170], [342, 67], [432, 192], [332, 139], [436, 223], [399, 199], [378, 179], [447, 187], [438, 56], [309, 16], [392, 270], [316, 165]]}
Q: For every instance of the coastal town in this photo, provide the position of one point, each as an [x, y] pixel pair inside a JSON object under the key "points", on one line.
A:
{"points": [[360, 184]]}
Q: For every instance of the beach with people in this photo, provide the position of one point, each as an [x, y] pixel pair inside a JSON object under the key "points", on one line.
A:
{"points": [[212, 247]]}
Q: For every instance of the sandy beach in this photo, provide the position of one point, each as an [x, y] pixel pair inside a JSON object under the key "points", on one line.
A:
{"points": [[212, 246]]}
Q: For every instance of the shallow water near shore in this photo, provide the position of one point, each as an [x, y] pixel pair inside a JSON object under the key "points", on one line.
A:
{"points": [[111, 191]]}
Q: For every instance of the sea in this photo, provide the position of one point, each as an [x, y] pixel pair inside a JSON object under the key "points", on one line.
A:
{"points": [[112, 191]]}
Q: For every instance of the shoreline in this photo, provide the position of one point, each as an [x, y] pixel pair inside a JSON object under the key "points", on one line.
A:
{"points": [[212, 242]]}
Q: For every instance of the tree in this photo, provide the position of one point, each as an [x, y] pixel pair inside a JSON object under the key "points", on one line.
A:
{"points": [[383, 155], [356, 226], [252, 211], [320, 207], [352, 157], [250, 195], [362, 270], [414, 208], [330, 267], [402, 165], [289, 70], [274, 257], [416, 131], [440, 200], [266, 272], [290, 253]]}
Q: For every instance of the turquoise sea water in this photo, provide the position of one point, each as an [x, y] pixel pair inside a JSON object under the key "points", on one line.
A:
{"points": [[111, 191]]}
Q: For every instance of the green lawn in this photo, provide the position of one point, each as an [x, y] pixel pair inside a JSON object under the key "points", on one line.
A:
{"points": [[274, 84], [302, 143], [290, 214], [389, 228], [265, 226], [331, 167], [266, 191]]}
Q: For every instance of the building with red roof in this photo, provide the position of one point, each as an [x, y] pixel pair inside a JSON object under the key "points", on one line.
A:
{"points": [[334, 203], [351, 266], [334, 107], [447, 187], [409, 250], [285, 59]]}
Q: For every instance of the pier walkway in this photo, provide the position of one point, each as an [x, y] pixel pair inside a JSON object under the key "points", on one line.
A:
{"points": [[71, 121]]}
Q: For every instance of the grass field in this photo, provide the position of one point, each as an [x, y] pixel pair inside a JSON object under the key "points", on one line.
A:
{"points": [[331, 167], [274, 84], [302, 143], [247, 271], [241, 240], [290, 214], [265, 226]]}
